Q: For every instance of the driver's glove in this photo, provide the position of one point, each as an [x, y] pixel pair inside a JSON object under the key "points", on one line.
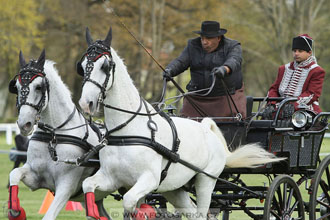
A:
{"points": [[219, 72]]}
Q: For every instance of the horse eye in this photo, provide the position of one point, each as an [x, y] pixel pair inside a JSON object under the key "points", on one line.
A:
{"points": [[106, 66], [38, 88]]}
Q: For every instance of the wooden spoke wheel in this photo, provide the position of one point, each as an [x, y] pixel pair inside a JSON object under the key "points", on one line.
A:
{"points": [[283, 200], [319, 200]]}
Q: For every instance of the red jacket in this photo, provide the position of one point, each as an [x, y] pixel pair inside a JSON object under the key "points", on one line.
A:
{"points": [[304, 82]]}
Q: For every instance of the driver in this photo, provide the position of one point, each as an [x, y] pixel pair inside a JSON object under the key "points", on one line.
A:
{"points": [[302, 78], [214, 60]]}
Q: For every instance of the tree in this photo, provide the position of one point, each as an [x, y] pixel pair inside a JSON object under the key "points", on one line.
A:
{"points": [[268, 28], [265, 29], [18, 31]]}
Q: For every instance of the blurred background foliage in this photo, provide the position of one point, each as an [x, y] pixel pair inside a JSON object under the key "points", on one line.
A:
{"points": [[265, 29]]}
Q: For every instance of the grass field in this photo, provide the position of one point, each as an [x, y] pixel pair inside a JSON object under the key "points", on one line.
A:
{"points": [[31, 201]]}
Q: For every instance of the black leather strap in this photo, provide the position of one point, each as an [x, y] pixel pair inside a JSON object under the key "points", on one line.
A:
{"points": [[61, 139], [175, 144], [138, 140]]}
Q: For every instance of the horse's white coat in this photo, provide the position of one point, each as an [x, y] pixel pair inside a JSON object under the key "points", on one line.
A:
{"points": [[40, 171], [138, 168]]}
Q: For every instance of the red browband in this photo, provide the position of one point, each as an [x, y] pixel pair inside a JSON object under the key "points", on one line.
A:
{"points": [[32, 78], [104, 53]]}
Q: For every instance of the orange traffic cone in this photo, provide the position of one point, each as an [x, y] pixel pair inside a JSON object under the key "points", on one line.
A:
{"points": [[46, 203], [73, 206]]}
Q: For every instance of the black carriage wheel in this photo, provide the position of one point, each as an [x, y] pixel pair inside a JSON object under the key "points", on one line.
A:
{"points": [[283, 200], [319, 205]]}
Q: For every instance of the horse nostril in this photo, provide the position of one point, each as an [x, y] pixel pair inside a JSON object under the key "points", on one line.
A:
{"points": [[90, 105], [27, 126]]}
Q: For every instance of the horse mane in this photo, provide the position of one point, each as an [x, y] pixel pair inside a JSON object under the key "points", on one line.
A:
{"points": [[118, 60], [121, 68], [55, 81]]}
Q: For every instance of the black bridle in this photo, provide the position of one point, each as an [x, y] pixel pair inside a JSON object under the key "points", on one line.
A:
{"points": [[25, 78], [93, 53]]}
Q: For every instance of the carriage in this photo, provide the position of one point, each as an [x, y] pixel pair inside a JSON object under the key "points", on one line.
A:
{"points": [[298, 137], [145, 131]]}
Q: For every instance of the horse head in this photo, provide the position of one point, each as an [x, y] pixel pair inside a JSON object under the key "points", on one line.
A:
{"points": [[32, 89], [96, 66]]}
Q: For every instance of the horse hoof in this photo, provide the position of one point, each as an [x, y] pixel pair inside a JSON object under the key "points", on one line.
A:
{"points": [[17, 215]]}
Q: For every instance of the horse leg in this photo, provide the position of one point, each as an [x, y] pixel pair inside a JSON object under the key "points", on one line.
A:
{"points": [[204, 187], [63, 193], [144, 185], [182, 203], [15, 211], [101, 209], [102, 183], [16, 164]]}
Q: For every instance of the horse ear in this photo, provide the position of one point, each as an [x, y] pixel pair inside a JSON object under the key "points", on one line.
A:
{"points": [[42, 59], [21, 59], [107, 40], [89, 38]]}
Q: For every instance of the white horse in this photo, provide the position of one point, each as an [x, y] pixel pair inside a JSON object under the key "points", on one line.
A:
{"points": [[138, 168], [42, 94]]}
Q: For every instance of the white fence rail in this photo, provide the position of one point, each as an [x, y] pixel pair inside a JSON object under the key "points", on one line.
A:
{"points": [[9, 128]]}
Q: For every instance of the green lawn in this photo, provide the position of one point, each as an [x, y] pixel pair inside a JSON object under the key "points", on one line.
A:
{"points": [[31, 201]]}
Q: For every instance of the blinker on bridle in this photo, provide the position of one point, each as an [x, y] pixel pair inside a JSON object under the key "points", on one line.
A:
{"points": [[94, 52]]}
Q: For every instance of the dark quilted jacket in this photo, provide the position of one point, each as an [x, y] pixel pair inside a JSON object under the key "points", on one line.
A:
{"points": [[228, 53]]}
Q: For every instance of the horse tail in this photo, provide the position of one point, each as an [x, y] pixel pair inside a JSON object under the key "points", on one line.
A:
{"points": [[213, 126], [249, 156]]}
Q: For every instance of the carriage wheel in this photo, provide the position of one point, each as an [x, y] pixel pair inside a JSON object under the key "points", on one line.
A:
{"points": [[283, 200], [319, 205]]}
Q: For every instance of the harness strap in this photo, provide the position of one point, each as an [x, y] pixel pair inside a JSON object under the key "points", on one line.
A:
{"points": [[46, 127], [175, 144], [174, 157], [153, 128], [130, 112], [68, 119], [139, 140], [68, 139], [151, 124], [61, 139], [108, 133]]}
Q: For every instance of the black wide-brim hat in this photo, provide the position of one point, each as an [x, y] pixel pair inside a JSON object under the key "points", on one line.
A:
{"points": [[211, 29]]}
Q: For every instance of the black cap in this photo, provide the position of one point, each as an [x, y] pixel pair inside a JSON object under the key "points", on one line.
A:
{"points": [[302, 42]]}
